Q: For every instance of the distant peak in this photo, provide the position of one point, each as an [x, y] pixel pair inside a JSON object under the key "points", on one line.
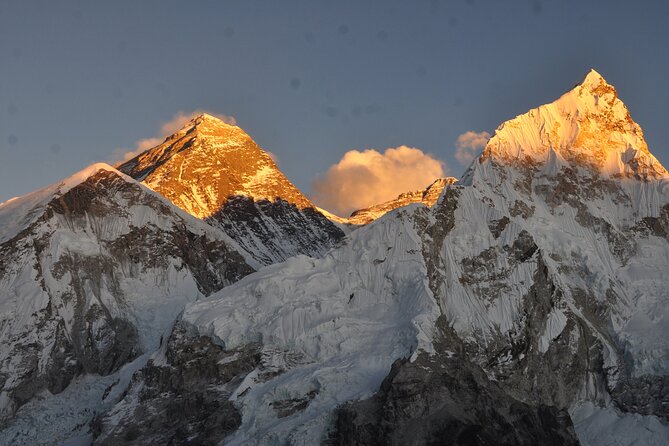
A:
{"points": [[428, 196], [442, 182], [86, 173]]}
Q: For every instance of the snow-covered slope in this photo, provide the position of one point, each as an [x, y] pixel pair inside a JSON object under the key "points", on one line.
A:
{"points": [[428, 197], [324, 331], [538, 280], [93, 271], [216, 172]]}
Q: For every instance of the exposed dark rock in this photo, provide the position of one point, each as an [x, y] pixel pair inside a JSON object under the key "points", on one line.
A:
{"points": [[488, 272], [522, 209], [446, 400], [433, 235], [287, 407], [645, 395], [275, 230], [183, 399], [497, 226], [568, 187], [657, 226], [523, 247]]}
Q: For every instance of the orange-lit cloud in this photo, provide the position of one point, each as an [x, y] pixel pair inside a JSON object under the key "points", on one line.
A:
{"points": [[468, 145], [362, 179], [178, 120]]}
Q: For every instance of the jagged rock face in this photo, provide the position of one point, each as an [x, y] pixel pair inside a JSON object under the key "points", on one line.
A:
{"points": [[182, 394], [216, 172], [272, 231], [546, 262], [428, 197], [647, 395], [499, 295], [93, 276], [444, 399]]}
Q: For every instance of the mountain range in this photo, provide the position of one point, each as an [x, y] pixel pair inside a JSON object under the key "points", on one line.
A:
{"points": [[193, 295]]}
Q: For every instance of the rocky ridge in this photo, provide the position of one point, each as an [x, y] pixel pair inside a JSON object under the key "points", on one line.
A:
{"points": [[428, 197]]}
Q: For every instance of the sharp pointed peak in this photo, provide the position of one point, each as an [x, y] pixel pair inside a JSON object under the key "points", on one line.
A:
{"points": [[594, 76], [593, 81], [588, 126], [208, 161]]}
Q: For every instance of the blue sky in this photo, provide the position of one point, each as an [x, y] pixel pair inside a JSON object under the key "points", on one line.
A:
{"points": [[309, 80]]}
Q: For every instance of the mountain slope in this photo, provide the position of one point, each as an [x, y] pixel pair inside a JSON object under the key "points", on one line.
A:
{"points": [[538, 278], [216, 172], [602, 201], [93, 271]]}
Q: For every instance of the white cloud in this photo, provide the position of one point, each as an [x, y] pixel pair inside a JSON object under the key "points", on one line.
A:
{"points": [[469, 144], [364, 178], [167, 128]]}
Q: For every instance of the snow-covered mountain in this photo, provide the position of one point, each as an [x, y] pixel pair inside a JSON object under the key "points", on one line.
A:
{"points": [[93, 272], [528, 306], [427, 196], [216, 172], [524, 304]]}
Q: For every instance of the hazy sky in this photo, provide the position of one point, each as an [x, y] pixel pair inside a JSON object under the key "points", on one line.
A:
{"points": [[82, 81]]}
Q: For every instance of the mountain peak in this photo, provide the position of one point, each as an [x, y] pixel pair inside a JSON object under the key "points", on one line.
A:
{"points": [[594, 87], [207, 119], [207, 124], [208, 161], [18, 212], [593, 79], [589, 126]]}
